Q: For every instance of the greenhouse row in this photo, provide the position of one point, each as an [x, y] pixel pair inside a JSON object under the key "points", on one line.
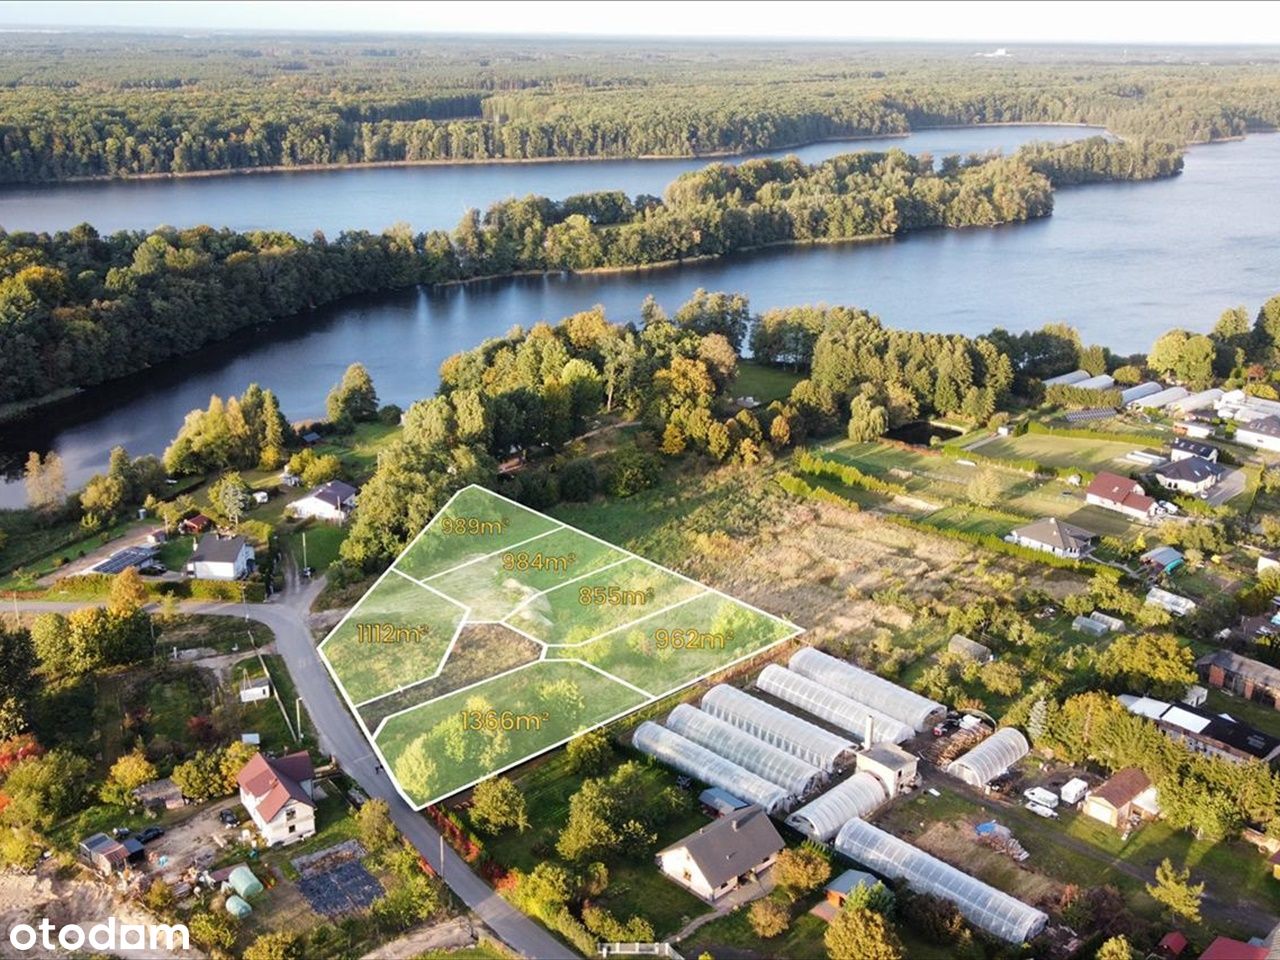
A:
{"points": [[856, 797], [880, 695], [868, 725], [791, 773], [764, 721], [701, 764], [992, 757], [982, 905]]}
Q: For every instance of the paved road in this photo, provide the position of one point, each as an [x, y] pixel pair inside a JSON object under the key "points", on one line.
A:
{"points": [[286, 616]]}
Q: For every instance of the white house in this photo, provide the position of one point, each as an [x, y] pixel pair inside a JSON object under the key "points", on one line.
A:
{"points": [[332, 501], [713, 861], [1183, 447], [1263, 433], [1054, 536], [1189, 475], [278, 794], [221, 558]]}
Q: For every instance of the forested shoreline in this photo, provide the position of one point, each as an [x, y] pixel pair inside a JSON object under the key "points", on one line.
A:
{"points": [[75, 107], [78, 309]]}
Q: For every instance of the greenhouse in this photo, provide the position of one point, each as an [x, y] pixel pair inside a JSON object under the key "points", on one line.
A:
{"points": [[856, 797], [879, 694], [992, 757], [791, 773], [705, 767], [982, 905], [835, 708], [786, 731]]}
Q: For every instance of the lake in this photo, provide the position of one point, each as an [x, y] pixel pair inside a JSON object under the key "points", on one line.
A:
{"points": [[1122, 262]]}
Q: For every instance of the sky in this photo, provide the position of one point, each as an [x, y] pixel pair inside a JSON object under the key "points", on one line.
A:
{"points": [[1118, 22]]}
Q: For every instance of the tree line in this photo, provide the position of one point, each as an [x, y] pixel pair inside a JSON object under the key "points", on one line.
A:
{"points": [[122, 106], [77, 308]]}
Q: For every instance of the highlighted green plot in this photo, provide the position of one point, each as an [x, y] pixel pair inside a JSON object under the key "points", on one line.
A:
{"points": [[473, 524], [677, 646], [500, 633], [602, 602], [448, 744], [493, 586], [396, 635]]}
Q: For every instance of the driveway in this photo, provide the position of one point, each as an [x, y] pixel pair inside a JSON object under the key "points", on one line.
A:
{"points": [[1232, 485]]}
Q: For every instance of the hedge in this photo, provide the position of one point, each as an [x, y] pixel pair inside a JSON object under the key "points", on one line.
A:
{"points": [[847, 474], [1068, 395], [1079, 433], [99, 585], [798, 488]]}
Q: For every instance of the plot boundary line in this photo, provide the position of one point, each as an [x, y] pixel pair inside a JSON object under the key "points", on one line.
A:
{"points": [[631, 623], [542, 593], [486, 556], [649, 698]]}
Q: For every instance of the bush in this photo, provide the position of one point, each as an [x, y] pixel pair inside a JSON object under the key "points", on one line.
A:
{"points": [[579, 480], [390, 414], [631, 471], [769, 917]]}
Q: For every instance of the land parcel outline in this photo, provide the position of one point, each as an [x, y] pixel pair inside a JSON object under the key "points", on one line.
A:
{"points": [[500, 633]]}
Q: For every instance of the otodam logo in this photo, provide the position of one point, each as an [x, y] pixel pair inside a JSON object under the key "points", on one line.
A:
{"points": [[109, 936]]}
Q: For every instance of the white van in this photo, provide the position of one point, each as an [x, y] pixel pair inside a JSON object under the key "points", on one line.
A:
{"points": [[1046, 798]]}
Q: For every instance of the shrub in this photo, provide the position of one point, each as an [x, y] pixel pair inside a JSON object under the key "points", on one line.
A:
{"points": [[579, 480], [631, 471], [769, 917]]}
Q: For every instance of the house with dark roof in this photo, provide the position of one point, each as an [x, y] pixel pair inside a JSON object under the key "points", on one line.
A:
{"points": [[1054, 536], [279, 796], [1214, 734], [332, 502], [1251, 679], [725, 853], [1121, 494], [1129, 791], [221, 558], [1184, 447], [1263, 433], [1191, 475]]}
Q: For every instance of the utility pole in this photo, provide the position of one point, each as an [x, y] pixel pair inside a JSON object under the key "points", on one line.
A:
{"points": [[297, 709]]}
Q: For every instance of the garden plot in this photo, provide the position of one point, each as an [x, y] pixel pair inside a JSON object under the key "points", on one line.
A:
{"points": [[594, 630]]}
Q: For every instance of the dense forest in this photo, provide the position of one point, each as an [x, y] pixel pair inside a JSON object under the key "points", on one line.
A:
{"points": [[77, 309], [118, 105]]}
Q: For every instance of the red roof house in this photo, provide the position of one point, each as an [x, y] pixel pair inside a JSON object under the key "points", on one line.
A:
{"points": [[278, 795], [1121, 494], [1224, 948]]}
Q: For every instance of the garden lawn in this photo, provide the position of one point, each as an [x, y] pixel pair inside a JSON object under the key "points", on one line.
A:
{"points": [[762, 383], [731, 937], [1071, 453]]}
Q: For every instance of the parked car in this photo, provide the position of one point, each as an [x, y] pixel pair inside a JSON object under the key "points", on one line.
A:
{"points": [[150, 833], [229, 818], [1040, 810]]}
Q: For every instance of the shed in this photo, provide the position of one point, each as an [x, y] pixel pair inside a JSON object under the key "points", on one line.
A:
{"points": [[1165, 558], [720, 802], [838, 890], [972, 649], [244, 882], [894, 767], [159, 794], [237, 907], [1129, 791]]}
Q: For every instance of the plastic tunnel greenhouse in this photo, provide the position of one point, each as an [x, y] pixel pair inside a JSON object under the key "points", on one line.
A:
{"points": [[791, 773], [992, 757], [982, 905], [786, 731], [835, 708], [823, 818], [704, 766], [880, 694]]}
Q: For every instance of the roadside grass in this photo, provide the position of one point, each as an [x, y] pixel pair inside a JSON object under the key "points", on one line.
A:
{"points": [[322, 543], [763, 383], [221, 634]]}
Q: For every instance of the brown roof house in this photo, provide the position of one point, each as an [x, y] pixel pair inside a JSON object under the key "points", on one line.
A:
{"points": [[1054, 536], [1128, 792], [1120, 494], [713, 861], [278, 793]]}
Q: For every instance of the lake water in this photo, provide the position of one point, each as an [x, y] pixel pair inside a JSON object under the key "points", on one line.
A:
{"points": [[1122, 262]]}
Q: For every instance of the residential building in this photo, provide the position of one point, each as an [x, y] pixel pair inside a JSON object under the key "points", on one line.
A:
{"points": [[221, 558], [1263, 433], [1217, 735], [1121, 494], [279, 796], [1182, 447], [1191, 475], [1242, 676], [726, 852], [1054, 536], [1128, 792], [1225, 948], [332, 502], [895, 768]]}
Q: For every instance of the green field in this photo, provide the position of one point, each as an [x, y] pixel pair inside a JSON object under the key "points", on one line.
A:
{"points": [[605, 631], [761, 383], [1071, 453]]}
